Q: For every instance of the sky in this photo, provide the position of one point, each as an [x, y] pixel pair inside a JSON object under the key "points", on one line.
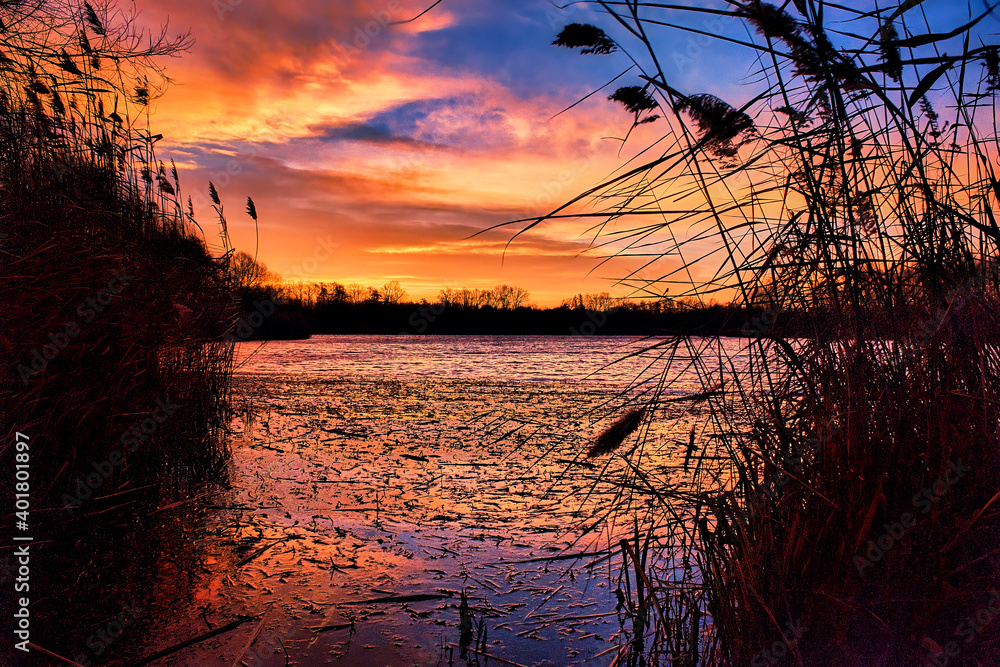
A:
{"points": [[377, 150], [395, 144]]}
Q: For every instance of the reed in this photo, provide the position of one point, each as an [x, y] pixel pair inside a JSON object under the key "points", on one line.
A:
{"points": [[83, 199], [115, 358], [865, 408], [614, 436]]}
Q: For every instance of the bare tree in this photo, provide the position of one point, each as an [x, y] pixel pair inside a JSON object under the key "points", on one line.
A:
{"points": [[508, 297], [247, 273], [393, 292], [519, 297], [448, 296], [602, 301], [356, 293], [504, 297], [473, 298]]}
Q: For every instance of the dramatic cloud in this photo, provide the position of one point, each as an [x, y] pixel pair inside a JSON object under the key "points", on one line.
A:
{"points": [[400, 141]]}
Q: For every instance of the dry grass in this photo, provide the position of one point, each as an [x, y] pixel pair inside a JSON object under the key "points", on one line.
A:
{"points": [[82, 196], [865, 222]]}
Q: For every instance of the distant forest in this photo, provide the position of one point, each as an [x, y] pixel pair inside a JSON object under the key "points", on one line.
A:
{"points": [[275, 309]]}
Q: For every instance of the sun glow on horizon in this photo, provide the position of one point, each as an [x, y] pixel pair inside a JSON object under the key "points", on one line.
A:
{"points": [[404, 143]]}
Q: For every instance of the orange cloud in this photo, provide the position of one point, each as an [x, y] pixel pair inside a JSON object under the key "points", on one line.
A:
{"points": [[344, 127]]}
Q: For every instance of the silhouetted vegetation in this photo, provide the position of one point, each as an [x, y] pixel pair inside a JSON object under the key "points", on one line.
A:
{"points": [[111, 301], [114, 350], [302, 309], [851, 518]]}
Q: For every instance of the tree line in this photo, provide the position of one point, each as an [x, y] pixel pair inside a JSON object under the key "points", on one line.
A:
{"points": [[253, 278], [277, 309]]}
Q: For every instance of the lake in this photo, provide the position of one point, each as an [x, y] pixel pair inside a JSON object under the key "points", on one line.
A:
{"points": [[380, 477]]}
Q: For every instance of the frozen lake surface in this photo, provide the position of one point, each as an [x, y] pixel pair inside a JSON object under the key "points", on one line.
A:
{"points": [[382, 477]]}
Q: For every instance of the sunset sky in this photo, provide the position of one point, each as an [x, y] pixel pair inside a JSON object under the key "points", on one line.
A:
{"points": [[396, 143]]}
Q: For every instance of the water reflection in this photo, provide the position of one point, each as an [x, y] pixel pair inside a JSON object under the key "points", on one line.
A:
{"points": [[420, 503]]}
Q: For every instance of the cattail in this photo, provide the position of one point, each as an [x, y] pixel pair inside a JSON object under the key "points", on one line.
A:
{"points": [[67, 64], [92, 20], [214, 194], [161, 178], [719, 123], [613, 436], [890, 52], [813, 60], [867, 217], [591, 38], [795, 116], [773, 22], [931, 115], [58, 107], [38, 87], [991, 61], [635, 99], [251, 209]]}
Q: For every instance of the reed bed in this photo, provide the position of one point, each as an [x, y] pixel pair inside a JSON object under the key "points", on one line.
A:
{"points": [[112, 300], [116, 310], [850, 198]]}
